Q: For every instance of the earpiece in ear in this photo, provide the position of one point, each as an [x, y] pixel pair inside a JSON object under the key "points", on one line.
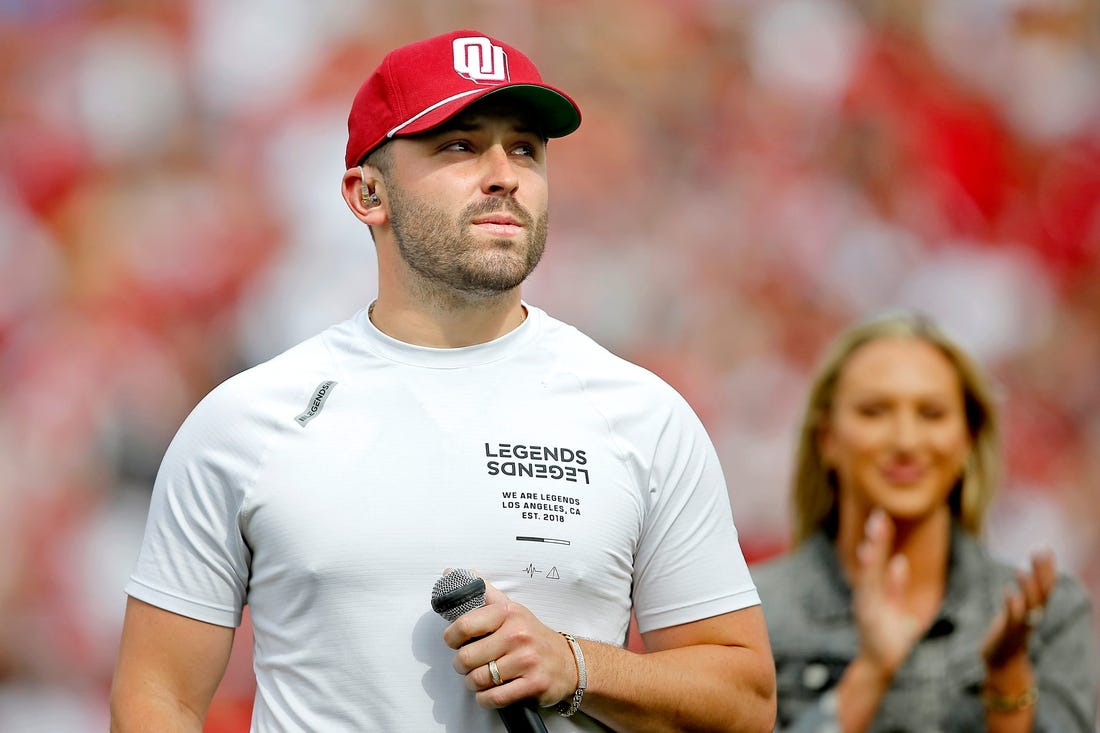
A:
{"points": [[368, 197]]}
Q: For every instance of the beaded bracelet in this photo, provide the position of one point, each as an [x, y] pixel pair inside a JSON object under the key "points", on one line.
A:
{"points": [[567, 709], [1009, 703]]}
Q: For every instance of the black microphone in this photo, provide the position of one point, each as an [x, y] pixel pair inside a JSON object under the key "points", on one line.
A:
{"points": [[456, 593]]}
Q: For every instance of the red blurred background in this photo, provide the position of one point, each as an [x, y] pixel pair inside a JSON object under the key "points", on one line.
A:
{"points": [[749, 177]]}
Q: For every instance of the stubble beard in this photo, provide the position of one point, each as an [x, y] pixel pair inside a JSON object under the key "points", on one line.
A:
{"points": [[452, 260]]}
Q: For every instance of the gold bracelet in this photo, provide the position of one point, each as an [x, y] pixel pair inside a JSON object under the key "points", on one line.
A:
{"points": [[1009, 703]]}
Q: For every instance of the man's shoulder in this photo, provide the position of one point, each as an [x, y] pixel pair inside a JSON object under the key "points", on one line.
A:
{"points": [[276, 381], [580, 352]]}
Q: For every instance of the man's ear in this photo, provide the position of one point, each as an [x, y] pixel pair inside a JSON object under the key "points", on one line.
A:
{"points": [[359, 190]]}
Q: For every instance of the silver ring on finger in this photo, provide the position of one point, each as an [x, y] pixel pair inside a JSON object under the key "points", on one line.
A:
{"points": [[494, 672], [1033, 617]]}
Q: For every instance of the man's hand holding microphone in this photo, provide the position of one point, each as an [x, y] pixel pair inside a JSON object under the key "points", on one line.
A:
{"points": [[511, 661]]}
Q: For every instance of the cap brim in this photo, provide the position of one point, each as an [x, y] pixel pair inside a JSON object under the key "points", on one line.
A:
{"points": [[557, 114]]}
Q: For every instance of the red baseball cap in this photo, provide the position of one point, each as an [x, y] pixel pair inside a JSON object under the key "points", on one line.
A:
{"points": [[424, 84]]}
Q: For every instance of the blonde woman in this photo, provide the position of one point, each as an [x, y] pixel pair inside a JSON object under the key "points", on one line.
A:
{"points": [[888, 614]]}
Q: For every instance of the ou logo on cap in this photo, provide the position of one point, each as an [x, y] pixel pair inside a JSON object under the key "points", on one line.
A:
{"points": [[478, 60]]}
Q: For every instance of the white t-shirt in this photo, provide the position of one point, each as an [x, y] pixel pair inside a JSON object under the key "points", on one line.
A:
{"points": [[330, 487]]}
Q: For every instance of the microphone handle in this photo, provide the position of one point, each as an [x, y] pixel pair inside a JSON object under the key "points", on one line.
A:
{"points": [[522, 717]]}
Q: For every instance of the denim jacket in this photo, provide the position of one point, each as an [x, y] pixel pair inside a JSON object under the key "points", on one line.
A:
{"points": [[807, 604]]}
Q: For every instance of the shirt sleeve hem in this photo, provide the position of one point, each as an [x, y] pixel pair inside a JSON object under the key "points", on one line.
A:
{"points": [[220, 616], [697, 611]]}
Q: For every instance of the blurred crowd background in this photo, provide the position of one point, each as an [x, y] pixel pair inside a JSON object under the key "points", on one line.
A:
{"points": [[750, 176]]}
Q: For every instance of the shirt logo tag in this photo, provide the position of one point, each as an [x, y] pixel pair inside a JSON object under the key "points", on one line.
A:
{"points": [[478, 60], [316, 403]]}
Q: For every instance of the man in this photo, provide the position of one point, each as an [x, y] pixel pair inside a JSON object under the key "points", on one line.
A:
{"points": [[450, 424]]}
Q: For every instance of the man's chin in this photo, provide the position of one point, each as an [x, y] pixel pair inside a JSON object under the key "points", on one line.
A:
{"points": [[488, 288]]}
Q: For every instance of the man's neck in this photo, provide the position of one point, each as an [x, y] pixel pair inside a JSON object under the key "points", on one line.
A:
{"points": [[449, 325]]}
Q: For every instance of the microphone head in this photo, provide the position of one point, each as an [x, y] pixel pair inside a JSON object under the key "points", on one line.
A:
{"points": [[456, 593]]}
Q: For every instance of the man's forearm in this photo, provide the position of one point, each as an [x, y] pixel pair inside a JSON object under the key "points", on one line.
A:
{"points": [[705, 687]]}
